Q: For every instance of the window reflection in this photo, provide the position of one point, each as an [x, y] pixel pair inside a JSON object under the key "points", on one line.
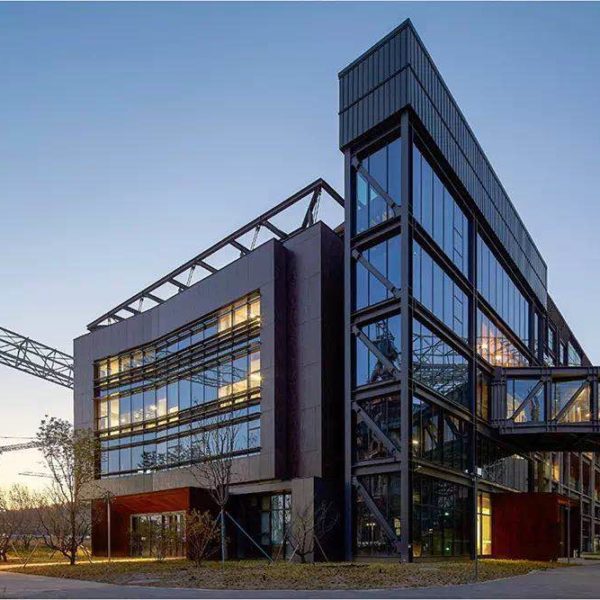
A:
{"points": [[439, 214], [517, 392], [497, 287], [385, 257], [438, 292], [438, 436], [495, 347], [571, 401], [438, 366], [385, 491], [441, 518], [384, 166], [385, 411], [385, 336], [149, 400]]}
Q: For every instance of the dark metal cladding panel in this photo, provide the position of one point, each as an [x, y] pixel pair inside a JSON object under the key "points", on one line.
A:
{"points": [[398, 72]]}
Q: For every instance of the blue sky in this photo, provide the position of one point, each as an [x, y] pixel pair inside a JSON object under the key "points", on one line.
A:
{"points": [[134, 135]]}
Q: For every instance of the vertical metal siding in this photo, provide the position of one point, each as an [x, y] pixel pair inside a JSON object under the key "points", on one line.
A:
{"points": [[398, 72]]}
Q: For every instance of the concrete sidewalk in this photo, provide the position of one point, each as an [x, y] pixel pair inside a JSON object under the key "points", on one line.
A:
{"points": [[574, 582]]}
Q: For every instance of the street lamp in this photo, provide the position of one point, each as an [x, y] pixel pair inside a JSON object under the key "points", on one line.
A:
{"points": [[475, 478]]}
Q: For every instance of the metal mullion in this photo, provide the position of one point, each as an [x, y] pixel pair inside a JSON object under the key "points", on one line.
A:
{"points": [[376, 390], [383, 466], [376, 312], [406, 315], [373, 235], [438, 471], [349, 193]]}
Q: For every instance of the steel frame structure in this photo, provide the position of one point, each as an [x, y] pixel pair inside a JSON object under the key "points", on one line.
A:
{"points": [[27, 355], [551, 432], [402, 381], [172, 283]]}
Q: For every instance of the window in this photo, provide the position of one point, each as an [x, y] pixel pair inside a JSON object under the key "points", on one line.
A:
{"points": [[550, 339], [385, 257], [439, 214], [438, 293], [148, 534], [438, 436], [384, 166], [385, 411], [438, 366], [385, 490], [517, 392], [571, 401], [441, 518], [495, 347], [497, 287], [275, 521], [147, 411], [484, 524], [536, 335], [385, 336], [500, 465], [574, 358]]}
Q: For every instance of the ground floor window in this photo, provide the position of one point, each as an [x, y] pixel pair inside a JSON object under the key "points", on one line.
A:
{"points": [[158, 534], [384, 490], [441, 518], [484, 524], [266, 518]]}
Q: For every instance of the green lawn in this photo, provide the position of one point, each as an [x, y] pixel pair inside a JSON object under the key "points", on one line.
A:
{"points": [[283, 575]]}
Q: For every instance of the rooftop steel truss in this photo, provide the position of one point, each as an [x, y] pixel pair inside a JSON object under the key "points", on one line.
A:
{"points": [[29, 356], [180, 278]]}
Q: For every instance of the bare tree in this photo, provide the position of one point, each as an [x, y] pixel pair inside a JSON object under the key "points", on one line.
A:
{"points": [[201, 533], [16, 506], [64, 512], [308, 529], [211, 465]]}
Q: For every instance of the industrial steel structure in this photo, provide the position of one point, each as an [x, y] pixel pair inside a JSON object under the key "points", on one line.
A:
{"points": [[410, 362], [463, 382], [35, 358]]}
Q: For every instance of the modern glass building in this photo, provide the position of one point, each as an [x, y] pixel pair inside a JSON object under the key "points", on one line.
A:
{"points": [[444, 286], [408, 367]]}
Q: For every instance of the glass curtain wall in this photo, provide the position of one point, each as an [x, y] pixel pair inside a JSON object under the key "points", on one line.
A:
{"points": [[377, 348], [155, 404]]}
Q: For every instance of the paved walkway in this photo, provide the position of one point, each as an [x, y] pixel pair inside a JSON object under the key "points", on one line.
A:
{"points": [[575, 582]]}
